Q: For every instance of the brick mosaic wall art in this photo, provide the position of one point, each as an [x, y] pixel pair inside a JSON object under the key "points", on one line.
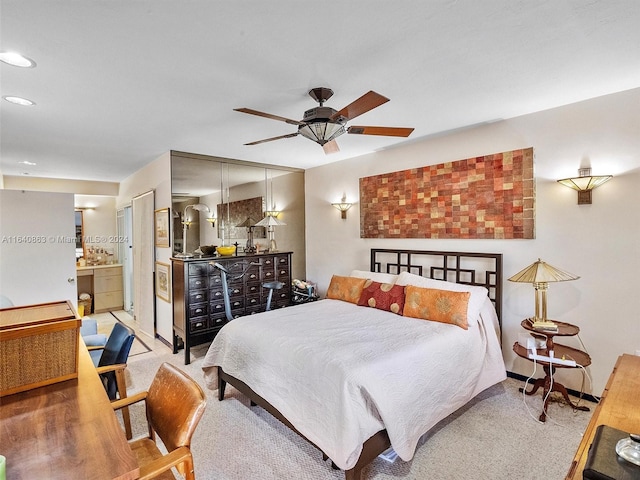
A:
{"points": [[483, 197]]}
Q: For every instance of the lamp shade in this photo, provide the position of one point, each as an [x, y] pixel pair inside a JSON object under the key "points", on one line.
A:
{"points": [[585, 183], [322, 131], [249, 222], [270, 221], [542, 272]]}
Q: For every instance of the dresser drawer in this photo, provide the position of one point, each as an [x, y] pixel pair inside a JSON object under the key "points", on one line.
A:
{"points": [[218, 322], [108, 301], [282, 261], [253, 301], [198, 324], [216, 309], [106, 272], [198, 310], [197, 296], [196, 283], [253, 289], [198, 269], [112, 283]]}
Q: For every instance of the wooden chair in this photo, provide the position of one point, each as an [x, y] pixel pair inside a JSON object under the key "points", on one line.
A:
{"points": [[174, 405]]}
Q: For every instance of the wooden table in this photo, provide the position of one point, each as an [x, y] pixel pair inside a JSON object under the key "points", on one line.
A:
{"points": [[560, 351], [619, 408], [65, 430]]}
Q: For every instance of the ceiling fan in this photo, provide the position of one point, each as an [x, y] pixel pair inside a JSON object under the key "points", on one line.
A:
{"points": [[324, 124]]}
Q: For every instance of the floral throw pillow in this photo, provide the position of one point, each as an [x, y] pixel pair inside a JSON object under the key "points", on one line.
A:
{"points": [[437, 305], [347, 289], [383, 296]]}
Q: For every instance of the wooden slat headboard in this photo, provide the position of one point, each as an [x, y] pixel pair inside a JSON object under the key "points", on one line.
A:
{"points": [[482, 269]]}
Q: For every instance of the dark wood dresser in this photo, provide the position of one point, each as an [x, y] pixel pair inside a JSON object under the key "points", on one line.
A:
{"points": [[198, 299]]}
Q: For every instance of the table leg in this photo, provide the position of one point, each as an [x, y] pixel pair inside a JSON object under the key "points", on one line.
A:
{"points": [[546, 385]]}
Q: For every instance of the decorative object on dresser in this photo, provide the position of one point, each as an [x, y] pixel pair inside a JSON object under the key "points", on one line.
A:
{"points": [[198, 297], [540, 274]]}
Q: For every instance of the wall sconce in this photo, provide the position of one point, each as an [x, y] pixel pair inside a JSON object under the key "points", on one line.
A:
{"points": [[212, 221], [584, 183], [343, 206]]}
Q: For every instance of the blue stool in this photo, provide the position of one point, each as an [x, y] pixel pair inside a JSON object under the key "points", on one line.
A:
{"points": [[275, 285]]}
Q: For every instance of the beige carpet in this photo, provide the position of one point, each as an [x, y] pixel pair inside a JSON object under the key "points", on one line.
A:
{"points": [[106, 321], [493, 437]]}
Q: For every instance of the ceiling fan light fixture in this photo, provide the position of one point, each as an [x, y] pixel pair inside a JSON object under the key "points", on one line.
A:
{"points": [[322, 131]]}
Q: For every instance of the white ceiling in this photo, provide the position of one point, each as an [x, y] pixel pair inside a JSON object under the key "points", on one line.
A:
{"points": [[120, 82]]}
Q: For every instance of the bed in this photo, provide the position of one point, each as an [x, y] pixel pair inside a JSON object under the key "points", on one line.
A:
{"points": [[355, 380]]}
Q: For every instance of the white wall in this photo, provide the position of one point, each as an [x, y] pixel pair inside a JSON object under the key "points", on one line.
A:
{"points": [[598, 242], [155, 176]]}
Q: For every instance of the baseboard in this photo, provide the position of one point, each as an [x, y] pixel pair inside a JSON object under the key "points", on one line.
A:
{"points": [[163, 341], [575, 393]]}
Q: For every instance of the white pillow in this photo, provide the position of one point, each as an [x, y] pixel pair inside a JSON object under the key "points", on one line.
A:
{"points": [[476, 299], [375, 276]]}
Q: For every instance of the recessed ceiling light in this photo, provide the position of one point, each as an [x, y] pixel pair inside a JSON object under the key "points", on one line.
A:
{"points": [[27, 162], [17, 60], [19, 100]]}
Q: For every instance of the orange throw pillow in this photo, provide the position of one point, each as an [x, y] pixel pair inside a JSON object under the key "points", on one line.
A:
{"points": [[347, 289], [438, 305], [383, 296]]}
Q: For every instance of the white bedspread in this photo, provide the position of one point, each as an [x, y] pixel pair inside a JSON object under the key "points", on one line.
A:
{"points": [[340, 373]]}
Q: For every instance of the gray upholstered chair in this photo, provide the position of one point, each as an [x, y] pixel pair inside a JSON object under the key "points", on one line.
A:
{"points": [[91, 337]]}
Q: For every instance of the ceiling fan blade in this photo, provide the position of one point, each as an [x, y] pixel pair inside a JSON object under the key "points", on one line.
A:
{"points": [[289, 135], [368, 101], [268, 115], [385, 131], [331, 147]]}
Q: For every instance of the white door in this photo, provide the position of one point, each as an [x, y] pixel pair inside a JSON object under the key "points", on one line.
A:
{"points": [[143, 263], [37, 247]]}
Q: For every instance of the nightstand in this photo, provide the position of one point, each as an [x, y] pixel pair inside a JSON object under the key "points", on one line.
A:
{"points": [[560, 351]]}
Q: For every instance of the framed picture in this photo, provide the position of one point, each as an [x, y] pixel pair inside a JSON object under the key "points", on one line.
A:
{"points": [[163, 281], [162, 228]]}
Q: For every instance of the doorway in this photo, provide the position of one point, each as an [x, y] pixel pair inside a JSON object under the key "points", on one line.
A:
{"points": [[125, 254]]}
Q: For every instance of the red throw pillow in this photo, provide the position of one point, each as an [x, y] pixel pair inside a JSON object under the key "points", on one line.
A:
{"points": [[383, 296]]}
